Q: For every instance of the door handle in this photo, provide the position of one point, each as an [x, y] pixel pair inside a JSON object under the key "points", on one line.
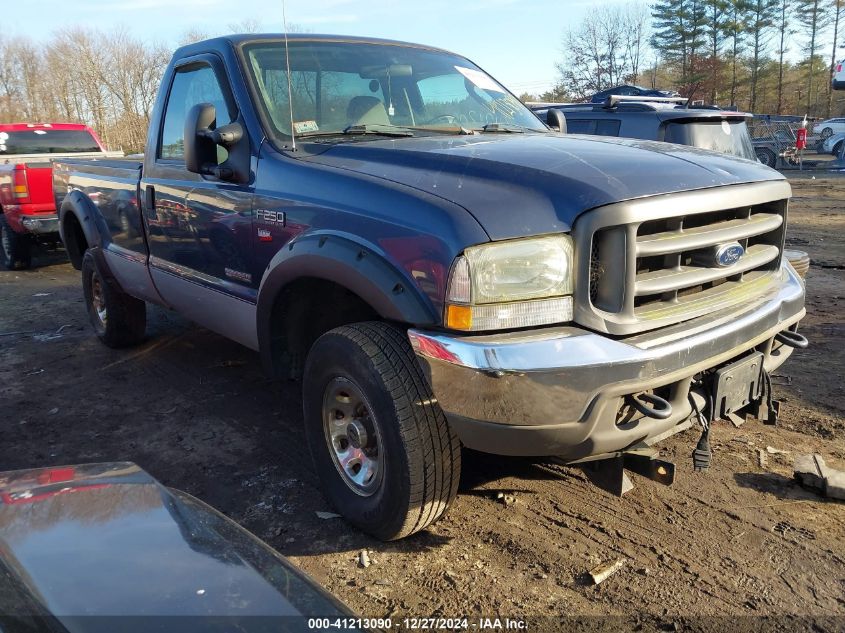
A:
{"points": [[150, 201]]}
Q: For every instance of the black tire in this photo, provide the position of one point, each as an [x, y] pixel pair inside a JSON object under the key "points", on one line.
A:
{"points": [[420, 453], [826, 132], [837, 149], [119, 319], [766, 156], [15, 248]]}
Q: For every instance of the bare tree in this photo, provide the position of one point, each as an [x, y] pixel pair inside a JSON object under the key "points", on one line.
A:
{"points": [[635, 34], [604, 50]]}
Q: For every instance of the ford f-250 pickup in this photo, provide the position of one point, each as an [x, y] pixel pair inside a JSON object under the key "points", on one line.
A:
{"points": [[440, 268], [27, 204]]}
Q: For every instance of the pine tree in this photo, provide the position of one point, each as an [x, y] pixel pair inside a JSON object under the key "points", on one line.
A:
{"points": [[736, 30], [679, 35], [762, 15], [718, 16], [838, 9], [814, 17], [784, 14]]}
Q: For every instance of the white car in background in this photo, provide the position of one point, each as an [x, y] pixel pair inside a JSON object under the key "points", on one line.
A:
{"points": [[834, 144], [838, 81], [830, 126]]}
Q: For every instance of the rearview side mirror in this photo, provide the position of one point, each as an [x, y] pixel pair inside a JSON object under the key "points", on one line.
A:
{"points": [[200, 149], [556, 120]]}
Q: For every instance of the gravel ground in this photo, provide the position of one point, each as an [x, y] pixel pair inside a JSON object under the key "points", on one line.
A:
{"points": [[195, 410]]}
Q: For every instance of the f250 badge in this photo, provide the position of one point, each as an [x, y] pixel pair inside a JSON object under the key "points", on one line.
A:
{"points": [[277, 218]]}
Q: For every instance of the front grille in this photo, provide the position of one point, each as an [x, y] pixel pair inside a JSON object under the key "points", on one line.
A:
{"points": [[660, 267]]}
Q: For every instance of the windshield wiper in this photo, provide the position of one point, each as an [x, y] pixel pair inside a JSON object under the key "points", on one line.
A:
{"points": [[378, 128], [503, 127], [460, 131]]}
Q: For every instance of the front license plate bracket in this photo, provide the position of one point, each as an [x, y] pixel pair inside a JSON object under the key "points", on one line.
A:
{"points": [[737, 385]]}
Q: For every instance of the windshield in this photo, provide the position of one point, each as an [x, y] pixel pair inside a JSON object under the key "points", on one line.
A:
{"points": [[46, 141], [345, 86], [728, 137]]}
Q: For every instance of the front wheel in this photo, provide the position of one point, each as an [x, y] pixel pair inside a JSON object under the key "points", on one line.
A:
{"points": [[119, 319], [826, 132], [385, 453], [15, 249]]}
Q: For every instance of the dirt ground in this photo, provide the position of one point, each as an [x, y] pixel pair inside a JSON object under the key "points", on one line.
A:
{"points": [[195, 410]]}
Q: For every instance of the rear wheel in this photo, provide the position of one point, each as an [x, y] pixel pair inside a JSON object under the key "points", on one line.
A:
{"points": [[15, 249], [119, 320], [826, 132], [837, 149], [766, 156], [387, 458]]}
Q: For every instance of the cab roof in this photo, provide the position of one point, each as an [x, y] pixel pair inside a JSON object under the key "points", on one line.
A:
{"points": [[240, 39]]}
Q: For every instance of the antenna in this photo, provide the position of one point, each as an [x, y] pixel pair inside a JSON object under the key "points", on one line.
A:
{"points": [[290, 90]]}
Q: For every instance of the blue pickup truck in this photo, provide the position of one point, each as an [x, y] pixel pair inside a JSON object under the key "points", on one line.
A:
{"points": [[440, 268]]}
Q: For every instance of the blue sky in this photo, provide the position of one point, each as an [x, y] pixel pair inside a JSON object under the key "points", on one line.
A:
{"points": [[517, 41]]}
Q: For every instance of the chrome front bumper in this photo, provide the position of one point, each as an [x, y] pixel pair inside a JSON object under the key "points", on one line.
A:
{"points": [[557, 391]]}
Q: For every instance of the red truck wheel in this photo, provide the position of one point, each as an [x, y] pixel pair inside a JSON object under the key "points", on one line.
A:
{"points": [[15, 249]]}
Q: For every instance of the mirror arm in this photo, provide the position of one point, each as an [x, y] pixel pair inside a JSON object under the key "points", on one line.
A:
{"points": [[226, 135]]}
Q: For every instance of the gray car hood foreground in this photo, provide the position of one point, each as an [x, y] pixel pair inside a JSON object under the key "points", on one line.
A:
{"points": [[527, 184], [105, 547]]}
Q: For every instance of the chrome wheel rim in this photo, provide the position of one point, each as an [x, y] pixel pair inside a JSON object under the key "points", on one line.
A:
{"points": [[352, 436], [98, 299]]}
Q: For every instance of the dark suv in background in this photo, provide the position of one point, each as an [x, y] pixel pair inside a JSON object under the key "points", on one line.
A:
{"points": [[628, 90], [658, 119]]}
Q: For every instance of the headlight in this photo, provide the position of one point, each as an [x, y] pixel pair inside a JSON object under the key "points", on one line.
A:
{"points": [[514, 284]]}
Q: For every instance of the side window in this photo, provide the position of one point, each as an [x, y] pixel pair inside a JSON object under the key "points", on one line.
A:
{"points": [[190, 87], [607, 127], [580, 126]]}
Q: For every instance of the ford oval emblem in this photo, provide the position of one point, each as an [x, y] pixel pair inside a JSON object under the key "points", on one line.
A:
{"points": [[729, 254]]}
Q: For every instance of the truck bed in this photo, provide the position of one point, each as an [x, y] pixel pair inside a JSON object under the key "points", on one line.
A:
{"points": [[96, 177]]}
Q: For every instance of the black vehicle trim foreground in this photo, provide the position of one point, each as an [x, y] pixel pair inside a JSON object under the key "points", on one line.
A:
{"points": [[164, 560], [381, 242]]}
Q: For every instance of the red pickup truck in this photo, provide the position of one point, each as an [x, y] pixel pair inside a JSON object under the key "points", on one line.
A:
{"points": [[27, 206]]}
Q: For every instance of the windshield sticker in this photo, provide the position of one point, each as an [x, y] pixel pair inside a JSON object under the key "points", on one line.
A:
{"points": [[303, 127], [485, 82]]}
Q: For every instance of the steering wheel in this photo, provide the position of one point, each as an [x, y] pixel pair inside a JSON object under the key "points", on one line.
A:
{"points": [[446, 118]]}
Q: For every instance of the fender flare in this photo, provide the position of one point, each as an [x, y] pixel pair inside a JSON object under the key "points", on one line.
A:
{"points": [[90, 219], [359, 268]]}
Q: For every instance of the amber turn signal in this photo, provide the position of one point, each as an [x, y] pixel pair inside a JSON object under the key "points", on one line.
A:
{"points": [[459, 317]]}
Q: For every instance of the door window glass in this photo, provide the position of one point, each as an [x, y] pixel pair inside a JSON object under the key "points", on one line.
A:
{"points": [[190, 87]]}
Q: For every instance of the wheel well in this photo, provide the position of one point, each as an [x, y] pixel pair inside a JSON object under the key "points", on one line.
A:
{"points": [[303, 311], [74, 238]]}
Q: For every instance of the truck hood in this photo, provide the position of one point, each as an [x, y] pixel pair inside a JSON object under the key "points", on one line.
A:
{"points": [[529, 184]]}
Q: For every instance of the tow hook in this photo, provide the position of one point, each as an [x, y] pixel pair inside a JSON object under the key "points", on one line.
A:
{"points": [[660, 409], [792, 339]]}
